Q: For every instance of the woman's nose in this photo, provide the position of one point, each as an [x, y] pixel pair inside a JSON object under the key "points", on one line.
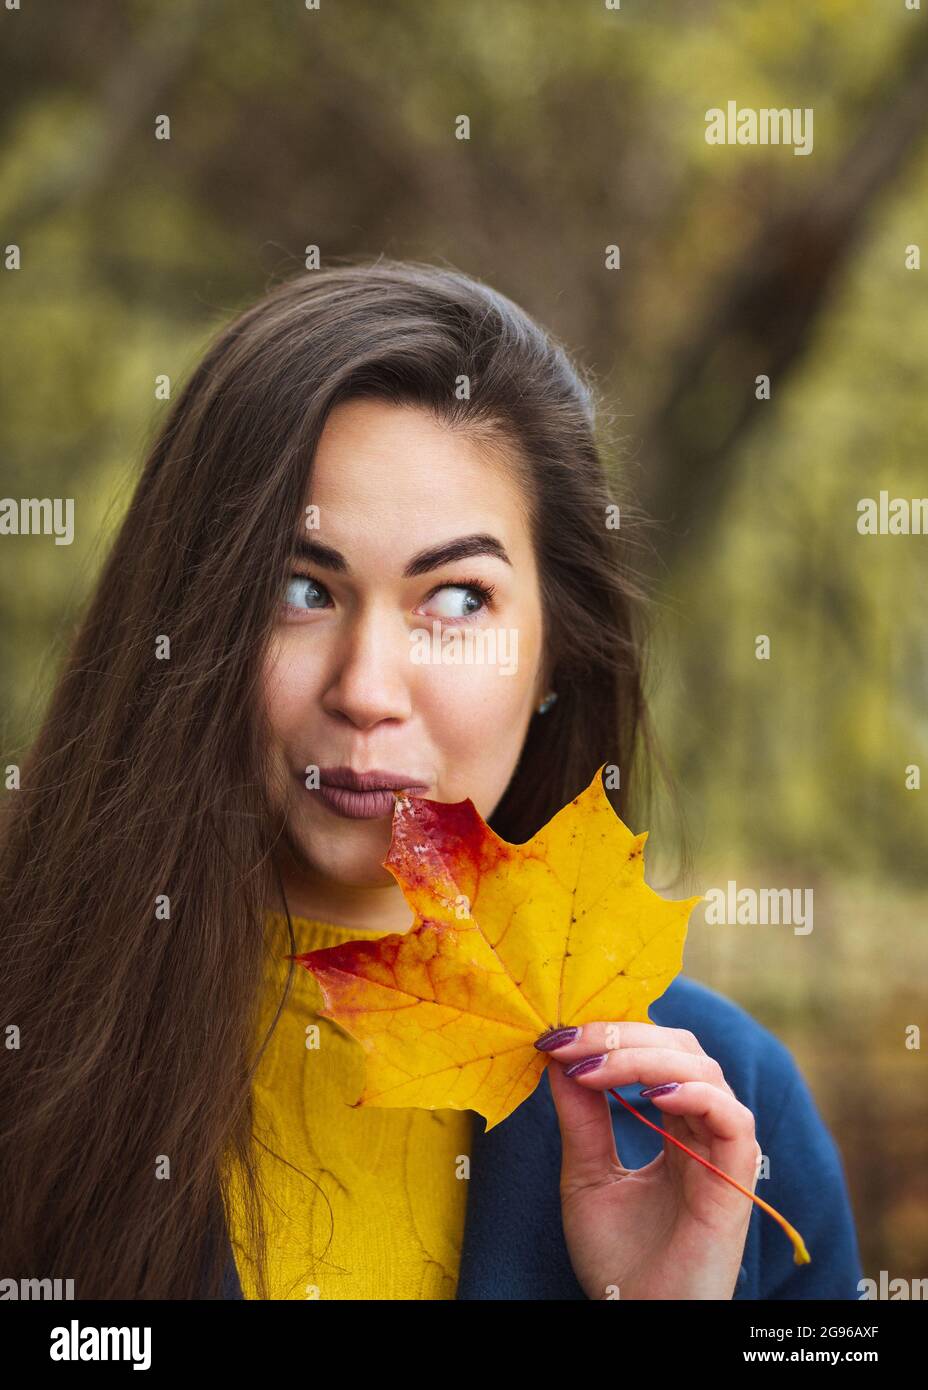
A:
{"points": [[370, 677]]}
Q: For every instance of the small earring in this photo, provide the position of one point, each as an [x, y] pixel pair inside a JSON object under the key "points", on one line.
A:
{"points": [[547, 702]]}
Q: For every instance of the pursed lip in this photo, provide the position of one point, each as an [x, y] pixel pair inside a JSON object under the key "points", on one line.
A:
{"points": [[376, 780], [364, 795]]}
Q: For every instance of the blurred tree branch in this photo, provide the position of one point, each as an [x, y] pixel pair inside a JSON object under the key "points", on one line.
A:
{"points": [[133, 84], [764, 315]]}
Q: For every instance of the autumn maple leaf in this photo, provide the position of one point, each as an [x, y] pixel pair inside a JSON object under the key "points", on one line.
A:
{"points": [[507, 942]]}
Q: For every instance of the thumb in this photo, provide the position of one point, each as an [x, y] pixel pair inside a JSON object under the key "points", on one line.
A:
{"points": [[585, 1120]]}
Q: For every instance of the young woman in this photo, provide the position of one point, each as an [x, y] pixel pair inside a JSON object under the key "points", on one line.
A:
{"points": [[369, 451]]}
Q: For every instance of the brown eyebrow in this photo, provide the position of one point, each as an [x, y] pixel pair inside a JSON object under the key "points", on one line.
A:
{"points": [[447, 553]]}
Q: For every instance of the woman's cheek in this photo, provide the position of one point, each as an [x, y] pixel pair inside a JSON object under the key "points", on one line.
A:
{"points": [[477, 693], [478, 719], [289, 687]]}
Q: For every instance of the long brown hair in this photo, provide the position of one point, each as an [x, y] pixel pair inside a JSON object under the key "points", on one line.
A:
{"points": [[131, 1035]]}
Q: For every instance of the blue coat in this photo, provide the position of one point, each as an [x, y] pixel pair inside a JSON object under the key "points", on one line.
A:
{"points": [[514, 1247]]}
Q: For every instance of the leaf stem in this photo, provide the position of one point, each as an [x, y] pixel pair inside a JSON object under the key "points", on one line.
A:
{"points": [[801, 1255]]}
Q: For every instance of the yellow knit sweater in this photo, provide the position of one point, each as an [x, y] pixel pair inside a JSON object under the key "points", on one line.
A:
{"points": [[381, 1212]]}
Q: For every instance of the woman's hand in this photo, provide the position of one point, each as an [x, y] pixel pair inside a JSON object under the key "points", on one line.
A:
{"points": [[671, 1229]]}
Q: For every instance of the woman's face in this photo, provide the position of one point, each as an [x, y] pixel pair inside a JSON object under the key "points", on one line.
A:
{"points": [[386, 657]]}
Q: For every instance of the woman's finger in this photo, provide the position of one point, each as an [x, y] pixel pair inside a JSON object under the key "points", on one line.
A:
{"points": [[728, 1125], [651, 1066], [588, 1149], [606, 1037], [598, 1038]]}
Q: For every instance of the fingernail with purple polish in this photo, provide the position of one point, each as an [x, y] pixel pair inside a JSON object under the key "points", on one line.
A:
{"points": [[556, 1037], [585, 1064], [664, 1090]]}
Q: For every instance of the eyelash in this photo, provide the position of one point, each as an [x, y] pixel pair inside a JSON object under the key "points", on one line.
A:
{"points": [[486, 592]]}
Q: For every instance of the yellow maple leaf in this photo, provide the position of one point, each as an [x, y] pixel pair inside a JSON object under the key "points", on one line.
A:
{"points": [[507, 942]]}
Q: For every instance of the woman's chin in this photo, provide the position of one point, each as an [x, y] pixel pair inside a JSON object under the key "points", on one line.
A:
{"points": [[347, 871]]}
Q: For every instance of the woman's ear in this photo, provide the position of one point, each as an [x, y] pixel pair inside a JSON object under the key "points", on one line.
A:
{"points": [[542, 683]]}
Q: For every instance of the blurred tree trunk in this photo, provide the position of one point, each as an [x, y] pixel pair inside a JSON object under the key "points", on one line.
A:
{"points": [[766, 310]]}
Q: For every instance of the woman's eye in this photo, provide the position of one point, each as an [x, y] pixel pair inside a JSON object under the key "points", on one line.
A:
{"points": [[302, 592], [464, 599], [456, 602]]}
